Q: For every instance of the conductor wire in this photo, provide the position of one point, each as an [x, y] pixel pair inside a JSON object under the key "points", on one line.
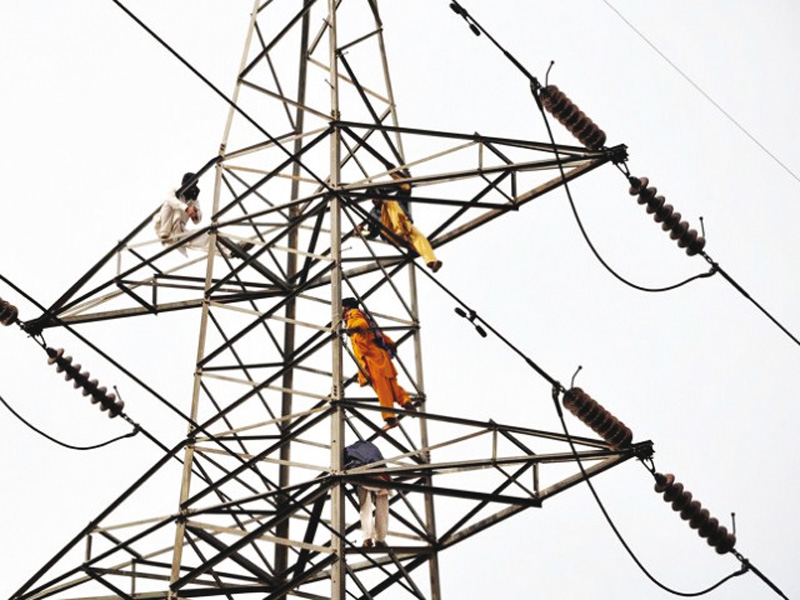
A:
{"points": [[64, 444]]}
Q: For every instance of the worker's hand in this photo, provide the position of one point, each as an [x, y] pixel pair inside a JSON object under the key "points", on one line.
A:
{"points": [[191, 210]]}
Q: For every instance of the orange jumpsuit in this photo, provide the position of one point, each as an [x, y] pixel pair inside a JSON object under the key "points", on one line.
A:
{"points": [[375, 364]]}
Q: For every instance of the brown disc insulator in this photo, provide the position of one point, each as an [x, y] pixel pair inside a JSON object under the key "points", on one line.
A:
{"points": [[691, 510], [671, 221], [8, 312], [568, 114], [682, 501], [687, 239], [673, 491], [602, 422], [663, 212], [708, 528], [646, 195], [663, 481], [696, 246], [699, 519], [680, 230], [623, 439], [726, 544], [637, 185], [654, 205]]}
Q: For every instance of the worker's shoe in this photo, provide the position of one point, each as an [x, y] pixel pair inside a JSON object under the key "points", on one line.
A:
{"points": [[410, 406], [435, 265], [390, 422], [368, 543]]}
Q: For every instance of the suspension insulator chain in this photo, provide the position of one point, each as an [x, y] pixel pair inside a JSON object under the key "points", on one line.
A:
{"points": [[108, 401], [691, 510], [571, 117], [666, 215], [602, 422], [8, 313]]}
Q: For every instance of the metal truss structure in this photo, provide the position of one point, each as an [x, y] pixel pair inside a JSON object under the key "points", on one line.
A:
{"points": [[265, 505]]}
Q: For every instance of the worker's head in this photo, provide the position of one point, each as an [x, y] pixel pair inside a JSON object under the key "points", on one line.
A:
{"points": [[349, 304], [193, 191]]}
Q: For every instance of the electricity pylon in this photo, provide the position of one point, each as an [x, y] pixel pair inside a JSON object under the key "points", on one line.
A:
{"points": [[265, 506]]}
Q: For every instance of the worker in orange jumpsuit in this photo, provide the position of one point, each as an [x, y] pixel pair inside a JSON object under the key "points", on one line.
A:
{"points": [[373, 350], [392, 216]]}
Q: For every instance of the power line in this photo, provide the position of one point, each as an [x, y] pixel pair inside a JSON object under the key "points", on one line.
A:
{"points": [[64, 444], [702, 92]]}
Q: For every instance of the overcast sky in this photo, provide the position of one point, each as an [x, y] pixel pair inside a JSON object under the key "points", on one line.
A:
{"points": [[97, 120]]}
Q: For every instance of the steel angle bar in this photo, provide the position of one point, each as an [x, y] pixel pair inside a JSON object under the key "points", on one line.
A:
{"points": [[437, 490], [306, 254], [492, 185], [206, 528], [201, 533], [492, 425], [125, 312], [278, 37], [297, 431], [395, 578], [65, 307], [523, 199], [285, 512], [256, 322], [275, 421], [591, 471], [362, 93], [347, 80], [146, 305], [229, 155], [94, 574], [97, 520], [479, 526], [298, 357], [321, 207], [293, 158], [285, 100], [546, 147], [484, 503], [267, 460], [88, 563]]}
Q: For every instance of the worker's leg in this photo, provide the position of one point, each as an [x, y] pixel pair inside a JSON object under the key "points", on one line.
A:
{"points": [[367, 528], [381, 516], [399, 394], [383, 387], [421, 244]]}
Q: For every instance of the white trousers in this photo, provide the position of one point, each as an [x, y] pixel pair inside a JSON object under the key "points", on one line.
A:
{"points": [[374, 529]]}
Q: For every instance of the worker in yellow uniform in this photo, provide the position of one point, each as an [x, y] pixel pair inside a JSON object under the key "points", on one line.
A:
{"points": [[393, 217], [373, 350]]}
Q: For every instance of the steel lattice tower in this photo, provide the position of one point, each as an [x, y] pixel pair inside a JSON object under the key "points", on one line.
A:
{"points": [[265, 505]]}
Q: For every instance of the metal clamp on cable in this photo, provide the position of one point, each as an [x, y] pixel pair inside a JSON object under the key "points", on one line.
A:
{"points": [[471, 316]]}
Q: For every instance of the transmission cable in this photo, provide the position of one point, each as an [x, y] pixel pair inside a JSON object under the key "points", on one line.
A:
{"points": [[219, 92], [59, 442], [702, 92]]}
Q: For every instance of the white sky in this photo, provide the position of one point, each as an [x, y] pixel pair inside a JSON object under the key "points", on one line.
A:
{"points": [[97, 120]]}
